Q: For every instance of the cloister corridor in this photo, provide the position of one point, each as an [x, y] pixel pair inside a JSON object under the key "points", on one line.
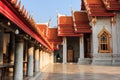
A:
{"points": [[71, 71]]}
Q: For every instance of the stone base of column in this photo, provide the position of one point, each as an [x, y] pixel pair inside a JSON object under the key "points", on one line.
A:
{"points": [[102, 59], [84, 61], [116, 59]]}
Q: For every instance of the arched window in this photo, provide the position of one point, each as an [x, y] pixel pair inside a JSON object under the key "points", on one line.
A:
{"points": [[104, 41]]}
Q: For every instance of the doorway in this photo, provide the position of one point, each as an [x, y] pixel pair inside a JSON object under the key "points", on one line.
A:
{"points": [[70, 55], [72, 49]]}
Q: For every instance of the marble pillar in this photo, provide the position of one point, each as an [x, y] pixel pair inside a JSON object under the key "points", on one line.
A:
{"points": [[64, 50], [41, 61], [37, 59], [82, 47], [1, 44], [12, 47], [30, 59], [115, 55], [25, 56], [81, 59], [18, 64]]}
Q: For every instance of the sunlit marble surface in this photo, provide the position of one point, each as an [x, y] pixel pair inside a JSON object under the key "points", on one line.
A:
{"points": [[80, 72]]}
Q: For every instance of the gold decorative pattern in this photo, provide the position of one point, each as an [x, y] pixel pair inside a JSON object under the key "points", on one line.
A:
{"points": [[94, 20], [22, 11], [113, 21], [104, 41]]}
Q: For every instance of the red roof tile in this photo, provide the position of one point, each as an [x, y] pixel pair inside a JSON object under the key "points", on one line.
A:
{"points": [[53, 37], [65, 26], [96, 8], [42, 28], [81, 22], [112, 4], [66, 20]]}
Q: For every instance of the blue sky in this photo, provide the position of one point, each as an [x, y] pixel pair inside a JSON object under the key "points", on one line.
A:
{"points": [[44, 10]]}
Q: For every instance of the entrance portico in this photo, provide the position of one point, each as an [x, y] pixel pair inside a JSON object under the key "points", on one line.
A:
{"points": [[73, 49]]}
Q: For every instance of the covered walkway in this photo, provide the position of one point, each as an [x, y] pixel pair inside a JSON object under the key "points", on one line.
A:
{"points": [[80, 72]]}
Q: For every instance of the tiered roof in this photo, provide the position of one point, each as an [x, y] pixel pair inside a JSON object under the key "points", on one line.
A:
{"points": [[81, 22], [43, 28], [50, 35], [74, 25], [101, 7], [113, 5], [54, 38], [96, 8], [65, 26]]}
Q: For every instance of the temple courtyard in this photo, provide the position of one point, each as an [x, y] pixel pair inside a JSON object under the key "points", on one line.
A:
{"points": [[79, 72]]}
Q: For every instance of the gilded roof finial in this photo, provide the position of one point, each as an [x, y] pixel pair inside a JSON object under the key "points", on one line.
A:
{"points": [[113, 21], [22, 10], [94, 20], [18, 5], [14, 2]]}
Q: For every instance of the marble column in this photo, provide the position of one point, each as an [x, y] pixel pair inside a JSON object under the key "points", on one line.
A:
{"points": [[1, 44], [64, 50], [25, 56], [115, 55], [114, 39], [43, 58], [37, 59], [82, 47], [81, 59], [30, 59], [41, 61], [12, 47], [18, 69]]}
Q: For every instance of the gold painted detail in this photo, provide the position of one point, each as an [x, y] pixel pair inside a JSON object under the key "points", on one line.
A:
{"points": [[94, 20], [113, 21], [104, 41], [23, 11]]}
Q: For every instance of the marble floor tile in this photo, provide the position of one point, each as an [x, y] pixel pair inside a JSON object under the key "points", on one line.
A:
{"points": [[80, 72]]}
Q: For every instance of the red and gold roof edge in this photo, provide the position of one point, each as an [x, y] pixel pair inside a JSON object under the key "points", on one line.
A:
{"points": [[90, 6], [11, 10]]}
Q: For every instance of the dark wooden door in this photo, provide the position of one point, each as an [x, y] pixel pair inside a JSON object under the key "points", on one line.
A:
{"points": [[70, 55]]}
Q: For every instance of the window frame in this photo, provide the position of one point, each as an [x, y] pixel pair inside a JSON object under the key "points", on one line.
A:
{"points": [[107, 42]]}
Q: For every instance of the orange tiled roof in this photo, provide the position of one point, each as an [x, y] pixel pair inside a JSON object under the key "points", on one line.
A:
{"points": [[43, 28], [52, 35], [112, 4], [96, 8], [65, 26], [54, 38], [81, 22], [66, 20], [19, 16]]}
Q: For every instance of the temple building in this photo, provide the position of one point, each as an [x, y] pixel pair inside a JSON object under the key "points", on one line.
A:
{"points": [[88, 36], [91, 35]]}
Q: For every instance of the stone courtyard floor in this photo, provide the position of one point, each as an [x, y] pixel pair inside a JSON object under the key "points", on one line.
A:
{"points": [[80, 72]]}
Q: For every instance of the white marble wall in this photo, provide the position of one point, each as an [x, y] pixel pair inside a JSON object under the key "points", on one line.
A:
{"points": [[118, 31], [112, 58], [100, 58], [100, 24], [116, 56]]}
